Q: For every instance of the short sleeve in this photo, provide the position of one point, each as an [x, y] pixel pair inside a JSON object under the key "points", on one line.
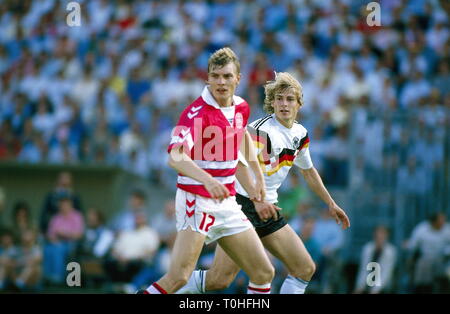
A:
{"points": [[182, 134], [261, 141], [303, 159]]}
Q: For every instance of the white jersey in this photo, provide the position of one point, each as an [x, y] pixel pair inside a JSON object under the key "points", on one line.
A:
{"points": [[278, 148]]}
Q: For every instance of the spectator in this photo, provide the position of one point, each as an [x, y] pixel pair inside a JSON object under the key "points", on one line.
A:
{"points": [[336, 159], [132, 250], [385, 254], [65, 230], [8, 253], [21, 218], [64, 186], [330, 238], [94, 247], [429, 242], [125, 220], [27, 272], [165, 224]]}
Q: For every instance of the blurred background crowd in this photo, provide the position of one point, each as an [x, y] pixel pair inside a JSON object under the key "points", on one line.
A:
{"points": [[109, 92]]}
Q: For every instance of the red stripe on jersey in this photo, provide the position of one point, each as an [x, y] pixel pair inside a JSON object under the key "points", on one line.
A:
{"points": [[306, 142], [200, 189], [280, 160], [221, 172]]}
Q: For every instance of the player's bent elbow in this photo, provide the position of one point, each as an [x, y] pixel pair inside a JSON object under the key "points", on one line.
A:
{"points": [[171, 162], [175, 156]]}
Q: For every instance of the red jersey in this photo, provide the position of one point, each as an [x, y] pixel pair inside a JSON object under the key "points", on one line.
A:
{"points": [[211, 139]]}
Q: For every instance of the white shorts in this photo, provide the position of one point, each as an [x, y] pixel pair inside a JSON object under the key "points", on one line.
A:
{"points": [[204, 215]]}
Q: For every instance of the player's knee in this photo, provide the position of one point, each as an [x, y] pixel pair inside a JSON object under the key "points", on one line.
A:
{"points": [[264, 275], [305, 271], [310, 269]]}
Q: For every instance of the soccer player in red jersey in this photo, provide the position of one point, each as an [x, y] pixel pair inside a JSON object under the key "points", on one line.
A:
{"points": [[205, 151]]}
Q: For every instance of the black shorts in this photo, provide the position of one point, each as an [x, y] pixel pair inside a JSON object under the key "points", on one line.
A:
{"points": [[263, 228]]}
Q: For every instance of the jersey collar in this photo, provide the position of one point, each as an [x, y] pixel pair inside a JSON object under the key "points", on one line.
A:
{"points": [[209, 99]]}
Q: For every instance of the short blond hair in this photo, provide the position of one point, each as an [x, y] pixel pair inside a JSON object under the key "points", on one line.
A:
{"points": [[222, 57], [283, 81]]}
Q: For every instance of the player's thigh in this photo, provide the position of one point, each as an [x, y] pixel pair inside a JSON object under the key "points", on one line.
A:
{"points": [[247, 251], [223, 267], [287, 246], [187, 248]]}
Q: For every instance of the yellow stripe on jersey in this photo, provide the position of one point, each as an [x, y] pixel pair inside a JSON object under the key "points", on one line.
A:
{"points": [[258, 145], [286, 163]]}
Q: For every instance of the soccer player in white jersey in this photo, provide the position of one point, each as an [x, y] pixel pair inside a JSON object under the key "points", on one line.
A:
{"points": [[204, 150], [281, 142]]}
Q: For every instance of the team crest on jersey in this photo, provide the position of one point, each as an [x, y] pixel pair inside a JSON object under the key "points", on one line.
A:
{"points": [[239, 120], [296, 142]]}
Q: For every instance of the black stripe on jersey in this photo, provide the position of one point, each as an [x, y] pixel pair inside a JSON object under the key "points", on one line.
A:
{"points": [[286, 151], [268, 147], [261, 122], [281, 155], [261, 134], [304, 139]]}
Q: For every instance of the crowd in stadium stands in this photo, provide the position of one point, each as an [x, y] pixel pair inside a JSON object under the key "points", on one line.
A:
{"points": [[108, 93]]}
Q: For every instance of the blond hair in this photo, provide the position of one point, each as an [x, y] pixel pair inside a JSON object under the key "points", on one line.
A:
{"points": [[222, 57], [283, 81]]}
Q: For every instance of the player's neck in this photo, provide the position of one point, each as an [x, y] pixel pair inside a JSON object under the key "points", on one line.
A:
{"points": [[225, 103], [287, 124]]}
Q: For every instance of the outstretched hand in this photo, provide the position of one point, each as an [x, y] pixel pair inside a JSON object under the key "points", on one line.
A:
{"points": [[339, 215]]}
